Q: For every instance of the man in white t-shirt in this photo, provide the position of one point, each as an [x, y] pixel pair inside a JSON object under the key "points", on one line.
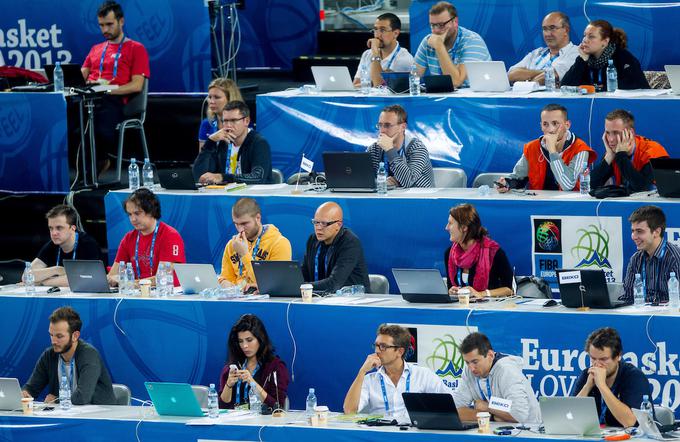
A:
{"points": [[379, 392], [384, 53]]}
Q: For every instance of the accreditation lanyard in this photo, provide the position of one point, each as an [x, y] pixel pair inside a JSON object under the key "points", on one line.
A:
{"points": [[394, 55], [539, 63], [325, 261], [459, 278], [662, 252], [227, 165], [153, 243], [246, 390], [486, 398], [255, 249], [115, 60], [599, 76], [384, 390], [62, 369], [75, 246]]}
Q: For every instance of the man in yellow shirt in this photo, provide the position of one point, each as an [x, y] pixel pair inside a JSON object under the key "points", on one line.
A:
{"points": [[254, 241]]}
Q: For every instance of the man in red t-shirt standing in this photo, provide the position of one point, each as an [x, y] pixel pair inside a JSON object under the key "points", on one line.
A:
{"points": [[151, 241], [118, 61]]}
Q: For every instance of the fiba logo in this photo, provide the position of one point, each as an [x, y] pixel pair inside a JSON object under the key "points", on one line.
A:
{"points": [[548, 235], [446, 358]]}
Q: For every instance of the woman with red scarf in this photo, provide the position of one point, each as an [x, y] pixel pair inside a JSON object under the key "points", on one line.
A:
{"points": [[475, 261]]}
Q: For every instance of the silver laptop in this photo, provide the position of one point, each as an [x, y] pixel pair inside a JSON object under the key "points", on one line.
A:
{"points": [[570, 415], [10, 394], [422, 285], [650, 428], [673, 73], [332, 78], [195, 277], [487, 76], [86, 276]]}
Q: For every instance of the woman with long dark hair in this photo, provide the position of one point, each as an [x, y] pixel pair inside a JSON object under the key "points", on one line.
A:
{"points": [[258, 370]]}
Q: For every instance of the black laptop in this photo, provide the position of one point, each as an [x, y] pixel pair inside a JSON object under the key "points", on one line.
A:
{"points": [[73, 77], [586, 288], [397, 82], [86, 276], [177, 179], [667, 176], [422, 285], [349, 171], [278, 279], [434, 411], [438, 84]]}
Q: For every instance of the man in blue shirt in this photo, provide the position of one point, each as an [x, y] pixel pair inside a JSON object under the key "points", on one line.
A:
{"points": [[616, 385], [449, 46]]}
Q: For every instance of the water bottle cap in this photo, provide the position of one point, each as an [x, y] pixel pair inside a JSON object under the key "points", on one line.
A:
{"points": [[382, 163], [146, 160], [610, 62], [645, 397], [311, 390], [133, 160], [672, 274], [212, 385]]}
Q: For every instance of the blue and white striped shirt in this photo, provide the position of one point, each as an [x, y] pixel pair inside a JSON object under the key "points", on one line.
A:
{"points": [[658, 267]]}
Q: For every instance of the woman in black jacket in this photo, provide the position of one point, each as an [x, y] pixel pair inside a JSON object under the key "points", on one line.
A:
{"points": [[601, 43]]}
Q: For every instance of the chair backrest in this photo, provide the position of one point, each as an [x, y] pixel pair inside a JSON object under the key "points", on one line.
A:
{"points": [[379, 284], [122, 393], [277, 176], [664, 415], [449, 177], [201, 393], [136, 106], [487, 178]]}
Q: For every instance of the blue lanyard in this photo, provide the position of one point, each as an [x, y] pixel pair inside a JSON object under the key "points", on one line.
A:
{"points": [[255, 249], [325, 261], [394, 55], [153, 243], [246, 390], [599, 76], [488, 390], [75, 246], [63, 372], [459, 278], [115, 60], [662, 252], [384, 391], [227, 166], [550, 60], [603, 412]]}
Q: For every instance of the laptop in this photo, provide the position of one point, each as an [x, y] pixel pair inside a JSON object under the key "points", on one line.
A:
{"points": [[73, 77], [651, 429], [332, 78], [397, 82], [673, 74], [487, 76], [177, 179], [349, 171], [587, 288], [86, 276], [666, 173], [422, 285], [10, 394], [196, 277], [435, 84], [569, 415], [434, 411], [280, 279], [171, 399]]}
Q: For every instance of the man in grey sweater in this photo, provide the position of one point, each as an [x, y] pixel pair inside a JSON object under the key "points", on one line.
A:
{"points": [[494, 382], [77, 360]]}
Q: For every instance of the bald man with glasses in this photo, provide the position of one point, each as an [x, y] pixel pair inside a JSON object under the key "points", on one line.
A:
{"points": [[334, 257]]}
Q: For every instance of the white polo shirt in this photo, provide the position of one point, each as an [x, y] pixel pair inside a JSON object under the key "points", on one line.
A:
{"points": [[540, 58], [399, 60]]}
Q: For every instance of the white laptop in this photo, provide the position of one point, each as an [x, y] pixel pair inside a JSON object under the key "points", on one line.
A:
{"points": [[673, 73], [10, 394], [487, 76], [570, 415], [195, 277], [332, 78], [650, 429]]}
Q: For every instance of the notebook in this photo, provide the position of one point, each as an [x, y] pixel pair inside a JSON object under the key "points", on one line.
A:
{"points": [[278, 278], [673, 74], [86, 276], [349, 171], [73, 77], [569, 415], [177, 179], [172, 399], [10, 394], [422, 285], [487, 76], [196, 277], [666, 173], [434, 411], [332, 78]]}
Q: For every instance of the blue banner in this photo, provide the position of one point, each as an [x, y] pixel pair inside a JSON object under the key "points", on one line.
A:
{"points": [[512, 28], [33, 145]]}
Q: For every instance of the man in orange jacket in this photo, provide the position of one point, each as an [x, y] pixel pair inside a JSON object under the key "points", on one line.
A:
{"points": [[554, 161], [626, 154]]}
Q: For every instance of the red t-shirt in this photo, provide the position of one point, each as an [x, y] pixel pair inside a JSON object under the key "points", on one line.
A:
{"points": [[169, 247], [133, 60]]}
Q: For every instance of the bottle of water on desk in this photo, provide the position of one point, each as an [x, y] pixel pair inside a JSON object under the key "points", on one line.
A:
{"points": [[311, 402], [254, 400], [365, 77], [584, 186], [147, 174], [673, 292], [130, 276], [638, 291], [612, 77], [29, 279], [549, 79], [122, 279], [213, 410], [133, 175], [58, 78], [65, 393], [381, 180], [646, 406], [413, 81]]}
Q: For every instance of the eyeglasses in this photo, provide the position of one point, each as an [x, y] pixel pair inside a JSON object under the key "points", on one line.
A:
{"points": [[387, 126], [441, 25], [381, 30], [323, 224], [383, 347], [232, 120], [551, 28]]}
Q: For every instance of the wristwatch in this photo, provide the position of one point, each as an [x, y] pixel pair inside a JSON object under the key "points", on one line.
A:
{"points": [[376, 58]]}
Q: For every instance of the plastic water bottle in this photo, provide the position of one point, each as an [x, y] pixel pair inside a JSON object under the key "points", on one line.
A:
{"points": [[213, 410], [612, 77], [169, 280], [673, 292], [133, 174], [646, 406], [638, 291], [29, 279], [58, 78], [381, 180], [365, 77], [549, 79], [311, 402], [64, 394], [122, 279], [413, 81], [585, 182], [130, 276], [254, 399], [147, 174]]}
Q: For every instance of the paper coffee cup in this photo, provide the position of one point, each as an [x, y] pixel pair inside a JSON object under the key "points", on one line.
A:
{"points": [[464, 297], [306, 292], [27, 405], [321, 412], [145, 287], [484, 422]]}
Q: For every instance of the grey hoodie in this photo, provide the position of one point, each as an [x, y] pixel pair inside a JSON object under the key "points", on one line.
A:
{"points": [[506, 381]]}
